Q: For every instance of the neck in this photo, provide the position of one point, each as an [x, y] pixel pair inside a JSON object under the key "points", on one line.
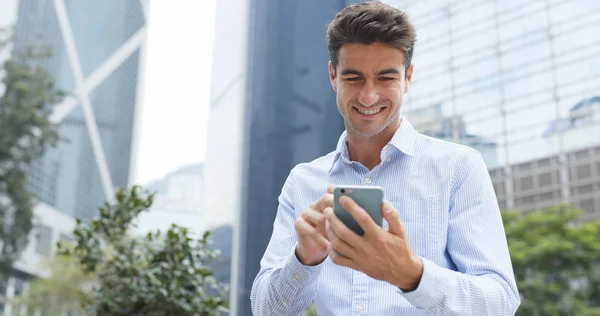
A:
{"points": [[367, 150]]}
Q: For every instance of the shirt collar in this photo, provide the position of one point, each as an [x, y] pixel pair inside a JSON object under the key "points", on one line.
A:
{"points": [[403, 140]]}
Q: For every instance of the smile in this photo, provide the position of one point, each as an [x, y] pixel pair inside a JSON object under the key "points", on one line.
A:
{"points": [[369, 112]]}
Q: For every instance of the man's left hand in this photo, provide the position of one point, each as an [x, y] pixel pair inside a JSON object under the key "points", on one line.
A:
{"points": [[382, 255]]}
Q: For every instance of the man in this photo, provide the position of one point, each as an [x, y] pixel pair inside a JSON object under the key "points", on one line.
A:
{"points": [[442, 249]]}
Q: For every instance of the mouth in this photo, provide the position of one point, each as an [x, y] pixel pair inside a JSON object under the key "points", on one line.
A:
{"points": [[369, 112]]}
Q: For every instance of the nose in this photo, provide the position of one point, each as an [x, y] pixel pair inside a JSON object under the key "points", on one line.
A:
{"points": [[368, 95]]}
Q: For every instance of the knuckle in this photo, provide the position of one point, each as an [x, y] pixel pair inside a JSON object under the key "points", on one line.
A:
{"points": [[363, 218]]}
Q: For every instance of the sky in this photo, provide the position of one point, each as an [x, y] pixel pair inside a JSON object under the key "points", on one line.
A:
{"points": [[177, 84], [177, 87]]}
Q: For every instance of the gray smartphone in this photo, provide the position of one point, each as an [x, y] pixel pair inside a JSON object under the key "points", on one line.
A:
{"points": [[370, 198]]}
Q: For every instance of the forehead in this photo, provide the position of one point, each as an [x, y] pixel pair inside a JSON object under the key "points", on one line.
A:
{"points": [[371, 57]]}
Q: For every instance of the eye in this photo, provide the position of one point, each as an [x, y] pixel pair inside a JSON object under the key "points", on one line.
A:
{"points": [[387, 78], [352, 78]]}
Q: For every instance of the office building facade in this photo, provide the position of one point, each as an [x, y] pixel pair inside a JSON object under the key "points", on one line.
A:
{"points": [[97, 56], [523, 76]]}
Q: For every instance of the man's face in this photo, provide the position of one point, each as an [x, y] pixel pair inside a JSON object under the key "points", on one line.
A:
{"points": [[370, 81]]}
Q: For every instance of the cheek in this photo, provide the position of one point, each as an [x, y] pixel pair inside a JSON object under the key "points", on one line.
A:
{"points": [[344, 95]]}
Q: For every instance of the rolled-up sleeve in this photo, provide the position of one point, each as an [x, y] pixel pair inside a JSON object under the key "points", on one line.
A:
{"points": [[484, 283]]}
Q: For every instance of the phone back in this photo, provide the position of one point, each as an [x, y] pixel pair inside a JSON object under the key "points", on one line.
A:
{"points": [[370, 198]]}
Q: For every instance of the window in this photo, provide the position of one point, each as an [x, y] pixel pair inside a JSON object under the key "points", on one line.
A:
{"points": [[580, 172], [584, 171], [545, 179], [587, 205], [44, 240], [585, 189], [548, 196], [582, 154], [525, 201], [499, 188], [525, 183]]}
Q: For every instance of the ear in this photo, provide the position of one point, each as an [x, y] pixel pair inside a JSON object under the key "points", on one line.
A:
{"points": [[408, 80], [332, 76]]}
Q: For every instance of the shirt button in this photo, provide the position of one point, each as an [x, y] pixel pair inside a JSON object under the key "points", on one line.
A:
{"points": [[368, 180], [283, 302], [359, 308], [388, 159], [298, 276]]}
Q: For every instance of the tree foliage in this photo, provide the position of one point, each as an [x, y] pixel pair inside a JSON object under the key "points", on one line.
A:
{"points": [[26, 91], [155, 275], [556, 258]]}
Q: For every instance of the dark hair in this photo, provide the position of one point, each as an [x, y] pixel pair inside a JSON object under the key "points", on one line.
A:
{"points": [[370, 22]]}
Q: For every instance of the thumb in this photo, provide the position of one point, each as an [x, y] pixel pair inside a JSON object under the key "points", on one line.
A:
{"points": [[391, 216]]}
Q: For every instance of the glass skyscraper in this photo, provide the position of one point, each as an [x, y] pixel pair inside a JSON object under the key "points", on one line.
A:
{"points": [[97, 51], [519, 81]]}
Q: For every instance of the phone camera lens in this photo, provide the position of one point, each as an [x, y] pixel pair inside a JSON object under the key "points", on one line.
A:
{"points": [[343, 191]]}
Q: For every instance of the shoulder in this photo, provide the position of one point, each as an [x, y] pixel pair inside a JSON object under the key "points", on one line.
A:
{"points": [[315, 168], [444, 152]]}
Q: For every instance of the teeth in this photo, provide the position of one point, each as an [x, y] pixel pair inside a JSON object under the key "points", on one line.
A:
{"points": [[369, 112]]}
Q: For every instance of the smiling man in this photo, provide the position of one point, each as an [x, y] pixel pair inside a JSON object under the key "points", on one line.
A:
{"points": [[442, 249]]}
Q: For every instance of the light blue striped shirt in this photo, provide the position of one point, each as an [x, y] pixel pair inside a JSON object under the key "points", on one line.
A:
{"points": [[445, 199]]}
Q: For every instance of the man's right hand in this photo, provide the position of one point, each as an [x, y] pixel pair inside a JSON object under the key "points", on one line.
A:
{"points": [[312, 236]]}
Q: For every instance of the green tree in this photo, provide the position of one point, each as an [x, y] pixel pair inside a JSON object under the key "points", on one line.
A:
{"points": [[61, 291], [26, 91], [556, 258], [154, 275]]}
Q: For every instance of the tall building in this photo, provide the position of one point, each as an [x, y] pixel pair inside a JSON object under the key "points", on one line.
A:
{"points": [[272, 107], [523, 75], [97, 56]]}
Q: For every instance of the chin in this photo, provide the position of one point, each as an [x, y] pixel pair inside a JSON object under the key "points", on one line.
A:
{"points": [[367, 132]]}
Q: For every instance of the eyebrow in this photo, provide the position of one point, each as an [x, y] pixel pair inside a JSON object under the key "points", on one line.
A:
{"points": [[388, 71]]}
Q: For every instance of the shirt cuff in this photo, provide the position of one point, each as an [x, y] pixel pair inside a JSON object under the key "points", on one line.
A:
{"points": [[298, 274], [430, 289]]}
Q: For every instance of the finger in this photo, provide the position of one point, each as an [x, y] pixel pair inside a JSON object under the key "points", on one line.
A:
{"points": [[316, 220], [391, 216], [341, 230], [339, 245], [324, 202], [361, 216], [330, 189], [305, 229], [340, 259]]}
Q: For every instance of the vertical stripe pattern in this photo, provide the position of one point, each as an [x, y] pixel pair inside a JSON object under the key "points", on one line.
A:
{"points": [[445, 199]]}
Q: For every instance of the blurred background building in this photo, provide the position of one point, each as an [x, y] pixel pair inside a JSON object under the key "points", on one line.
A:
{"points": [[97, 49], [519, 81]]}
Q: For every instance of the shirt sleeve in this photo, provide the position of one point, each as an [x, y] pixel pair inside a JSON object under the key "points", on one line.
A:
{"points": [[484, 282], [283, 286]]}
